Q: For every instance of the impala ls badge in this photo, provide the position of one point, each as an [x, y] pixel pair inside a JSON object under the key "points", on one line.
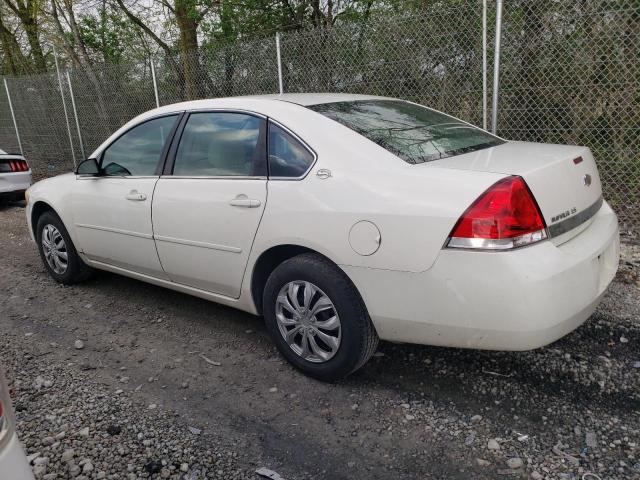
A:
{"points": [[586, 180]]}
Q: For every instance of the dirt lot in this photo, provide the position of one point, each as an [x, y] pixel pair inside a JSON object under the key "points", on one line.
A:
{"points": [[139, 399]]}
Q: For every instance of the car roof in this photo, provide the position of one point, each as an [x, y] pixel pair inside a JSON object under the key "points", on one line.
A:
{"points": [[302, 99], [259, 103], [307, 99]]}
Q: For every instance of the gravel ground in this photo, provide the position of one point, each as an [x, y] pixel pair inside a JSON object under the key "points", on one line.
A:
{"points": [[169, 386]]}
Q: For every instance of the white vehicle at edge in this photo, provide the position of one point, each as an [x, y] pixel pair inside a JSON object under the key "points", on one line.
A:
{"points": [[342, 219], [15, 176], [13, 462]]}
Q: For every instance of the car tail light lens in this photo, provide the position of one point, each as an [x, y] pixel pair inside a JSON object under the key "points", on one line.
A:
{"points": [[505, 216], [18, 166], [6, 419]]}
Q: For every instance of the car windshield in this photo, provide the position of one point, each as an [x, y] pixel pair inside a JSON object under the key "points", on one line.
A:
{"points": [[414, 133]]}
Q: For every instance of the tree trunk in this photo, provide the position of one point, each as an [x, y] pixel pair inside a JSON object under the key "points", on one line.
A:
{"points": [[28, 16], [15, 61], [186, 14]]}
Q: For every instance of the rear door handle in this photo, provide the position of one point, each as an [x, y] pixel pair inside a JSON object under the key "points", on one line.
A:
{"points": [[243, 201], [135, 196]]}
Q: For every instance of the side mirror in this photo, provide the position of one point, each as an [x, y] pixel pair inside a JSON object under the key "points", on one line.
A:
{"points": [[88, 168]]}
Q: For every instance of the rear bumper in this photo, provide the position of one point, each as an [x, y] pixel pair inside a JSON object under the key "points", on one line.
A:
{"points": [[517, 300], [12, 183], [13, 462]]}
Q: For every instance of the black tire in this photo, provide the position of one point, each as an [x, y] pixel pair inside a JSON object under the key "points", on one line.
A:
{"points": [[359, 339], [77, 270]]}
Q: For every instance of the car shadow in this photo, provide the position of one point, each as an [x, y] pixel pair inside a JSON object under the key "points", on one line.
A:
{"points": [[9, 204], [589, 367]]}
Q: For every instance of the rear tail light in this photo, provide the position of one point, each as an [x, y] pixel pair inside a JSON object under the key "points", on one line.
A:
{"points": [[18, 166], [505, 216]]}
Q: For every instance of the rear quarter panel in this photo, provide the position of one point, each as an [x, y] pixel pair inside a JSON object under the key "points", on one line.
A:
{"points": [[414, 206]]}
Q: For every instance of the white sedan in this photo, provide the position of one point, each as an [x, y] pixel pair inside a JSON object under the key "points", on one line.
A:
{"points": [[13, 462], [15, 176], [342, 219]]}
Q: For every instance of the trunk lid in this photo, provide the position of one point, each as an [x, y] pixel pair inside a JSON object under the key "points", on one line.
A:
{"points": [[563, 179]]}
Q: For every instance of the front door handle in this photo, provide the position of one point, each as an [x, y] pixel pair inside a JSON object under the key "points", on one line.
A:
{"points": [[135, 196], [244, 201]]}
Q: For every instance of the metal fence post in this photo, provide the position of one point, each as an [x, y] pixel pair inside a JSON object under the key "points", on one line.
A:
{"points": [[155, 83], [279, 63], [13, 117], [75, 114], [64, 107], [484, 64], [496, 68]]}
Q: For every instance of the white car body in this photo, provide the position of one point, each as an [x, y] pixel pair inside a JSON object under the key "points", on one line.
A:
{"points": [[13, 461], [13, 184], [415, 290]]}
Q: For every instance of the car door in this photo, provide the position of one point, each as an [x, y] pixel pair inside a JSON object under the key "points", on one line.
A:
{"points": [[208, 205], [112, 211]]}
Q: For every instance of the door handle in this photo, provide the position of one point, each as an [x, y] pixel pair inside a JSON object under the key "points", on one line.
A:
{"points": [[135, 196], [243, 201]]}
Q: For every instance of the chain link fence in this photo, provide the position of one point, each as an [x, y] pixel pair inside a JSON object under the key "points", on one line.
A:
{"points": [[569, 74]]}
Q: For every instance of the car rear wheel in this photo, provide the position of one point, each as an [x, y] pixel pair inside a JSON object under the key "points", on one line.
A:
{"points": [[57, 251], [317, 318]]}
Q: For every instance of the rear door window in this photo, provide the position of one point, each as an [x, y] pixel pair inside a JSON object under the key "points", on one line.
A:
{"points": [[288, 157]]}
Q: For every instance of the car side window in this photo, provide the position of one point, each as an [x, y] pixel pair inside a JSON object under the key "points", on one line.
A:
{"points": [[220, 144], [138, 151], [287, 156]]}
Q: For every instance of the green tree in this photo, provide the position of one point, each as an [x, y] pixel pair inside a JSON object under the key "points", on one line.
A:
{"points": [[29, 14]]}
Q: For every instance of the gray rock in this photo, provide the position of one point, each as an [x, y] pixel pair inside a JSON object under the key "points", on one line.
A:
{"points": [[39, 470], [514, 463], [470, 439], [476, 418], [79, 344], [493, 444], [74, 470], [67, 455]]}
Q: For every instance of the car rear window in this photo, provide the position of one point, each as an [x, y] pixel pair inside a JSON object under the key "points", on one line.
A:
{"points": [[414, 133]]}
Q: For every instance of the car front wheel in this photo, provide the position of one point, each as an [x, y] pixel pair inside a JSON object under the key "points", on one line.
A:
{"points": [[317, 318], [57, 251]]}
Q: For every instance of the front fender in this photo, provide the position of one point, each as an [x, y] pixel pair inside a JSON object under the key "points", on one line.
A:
{"points": [[54, 193]]}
